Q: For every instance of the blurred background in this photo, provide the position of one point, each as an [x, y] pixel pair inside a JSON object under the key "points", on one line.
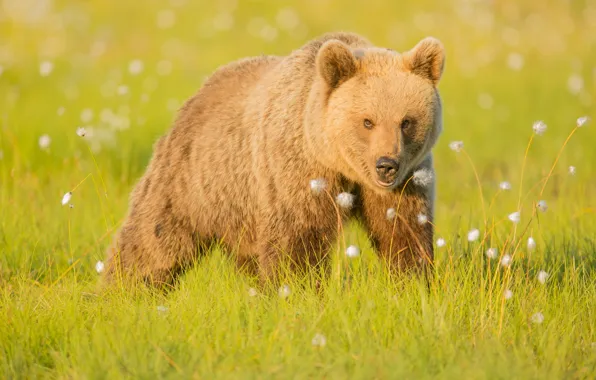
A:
{"points": [[121, 69]]}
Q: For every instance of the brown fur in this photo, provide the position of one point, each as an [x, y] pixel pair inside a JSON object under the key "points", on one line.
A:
{"points": [[235, 168]]}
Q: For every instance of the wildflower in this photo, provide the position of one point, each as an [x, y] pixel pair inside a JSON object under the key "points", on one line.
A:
{"points": [[492, 253], [99, 266], [441, 242], [507, 294], [514, 217], [506, 260], [345, 200], [542, 206], [66, 198], [46, 68], [539, 127], [456, 146], [423, 177], [135, 67], [537, 318], [81, 131], [318, 185], [422, 219], [391, 213], [572, 170], [44, 141], [473, 235], [252, 292], [542, 276], [319, 340], [505, 185], [531, 244], [284, 291], [353, 251], [581, 121]]}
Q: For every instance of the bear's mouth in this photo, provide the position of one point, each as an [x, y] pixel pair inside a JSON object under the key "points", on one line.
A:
{"points": [[386, 185]]}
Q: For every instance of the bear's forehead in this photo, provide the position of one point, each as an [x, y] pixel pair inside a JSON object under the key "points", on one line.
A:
{"points": [[376, 60]]}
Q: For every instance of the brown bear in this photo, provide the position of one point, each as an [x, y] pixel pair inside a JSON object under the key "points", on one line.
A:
{"points": [[273, 152]]}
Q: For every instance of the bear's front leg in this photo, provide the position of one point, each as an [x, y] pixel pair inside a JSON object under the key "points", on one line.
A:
{"points": [[400, 225]]}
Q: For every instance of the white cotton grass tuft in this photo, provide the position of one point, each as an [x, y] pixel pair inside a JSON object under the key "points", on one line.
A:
{"points": [[422, 219], [81, 132], [492, 253], [539, 127], [44, 141], [423, 177], [441, 242], [474, 234], [252, 292], [66, 198], [135, 67], [508, 294], [99, 266], [391, 213], [505, 186], [572, 170], [581, 121], [319, 340], [352, 251], [531, 244], [514, 217], [537, 318], [542, 206], [506, 260], [284, 291], [46, 68], [345, 200], [456, 146], [162, 309], [542, 276], [318, 185]]}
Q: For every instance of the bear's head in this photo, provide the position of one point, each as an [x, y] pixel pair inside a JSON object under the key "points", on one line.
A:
{"points": [[377, 112]]}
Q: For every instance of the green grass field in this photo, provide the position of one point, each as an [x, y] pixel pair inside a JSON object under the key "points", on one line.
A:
{"points": [[122, 68]]}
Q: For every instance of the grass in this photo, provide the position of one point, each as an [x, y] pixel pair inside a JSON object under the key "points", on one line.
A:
{"points": [[55, 324]]}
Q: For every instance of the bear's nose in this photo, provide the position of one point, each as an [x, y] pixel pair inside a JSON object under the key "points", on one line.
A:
{"points": [[387, 169]]}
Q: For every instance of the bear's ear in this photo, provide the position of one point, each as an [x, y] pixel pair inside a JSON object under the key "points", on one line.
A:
{"points": [[335, 63], [426, 59]]}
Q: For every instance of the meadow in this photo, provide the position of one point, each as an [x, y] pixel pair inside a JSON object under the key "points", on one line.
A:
{"points": [[519, 78]]}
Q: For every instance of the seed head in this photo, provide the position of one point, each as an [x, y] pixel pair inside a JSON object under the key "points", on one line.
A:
{"points": [[319, 340], [537, 318], [506, 260], [539, 127], [252, 292], [531, 244], [46, 68], [99, 266], [423, 177], [473, 235], [542, 206], [514, 217], [542, 276], [505, 185], [284, 291], [352, 251], [66, 198], [317, 186], [422, 219], [162, 309], [456, 146], [572, 170], [391, 213], [345, 200], [44, 141], [507, 294], [135, 67], [81, 132], [441, 242], [581, 121], [492, 253]]}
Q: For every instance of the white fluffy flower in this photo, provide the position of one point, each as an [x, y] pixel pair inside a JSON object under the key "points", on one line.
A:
{"points": [[135, 67], [572, 170], [492, 253], [473, 235], [531, 244], [539, 127], [46, 68], [352, 251], [319, 340], [345, 200], [441, 242], [66, 198], [391, 213], [537, 318], [99, 266], [542, 206], [505, 185], [581, 121], [456, 146], [317, 186], [514, 217], [44, 141], [542, 276], [423, 177], [506, 260], [81, 131], [507, 294], [422, 219], [252, 292], [284, 291]]}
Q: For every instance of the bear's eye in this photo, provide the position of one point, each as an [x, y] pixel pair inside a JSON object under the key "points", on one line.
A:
{"points": [[368, 124], [405, 124]]}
